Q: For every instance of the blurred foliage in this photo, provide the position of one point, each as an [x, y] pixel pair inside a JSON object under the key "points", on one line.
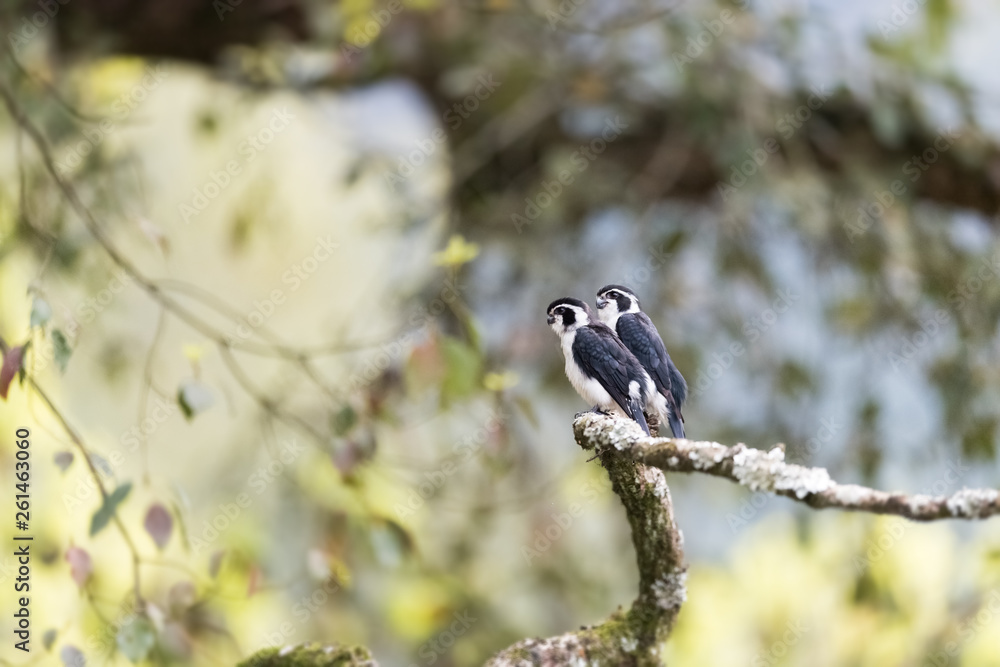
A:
{"points": [[334, 412]]}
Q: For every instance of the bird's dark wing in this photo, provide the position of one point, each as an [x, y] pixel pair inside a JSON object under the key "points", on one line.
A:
{"points": [[602, 356], [641, 337], [678, 387]]}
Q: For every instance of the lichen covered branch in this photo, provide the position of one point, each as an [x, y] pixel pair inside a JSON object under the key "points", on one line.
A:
{"points": [[633, 637], [635, 463], [767, 471]]}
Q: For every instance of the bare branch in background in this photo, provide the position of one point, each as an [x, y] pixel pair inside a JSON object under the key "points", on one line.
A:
{"points": [[77, 439], [159, 293]]}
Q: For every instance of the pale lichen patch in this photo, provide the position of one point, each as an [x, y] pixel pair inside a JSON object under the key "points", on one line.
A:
{"points": [[920, 503], [670, 591], [851, 494], [972, 503]]}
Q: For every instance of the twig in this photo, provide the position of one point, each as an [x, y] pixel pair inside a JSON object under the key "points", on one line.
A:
{"points": [[78, 441], [147, 383]]}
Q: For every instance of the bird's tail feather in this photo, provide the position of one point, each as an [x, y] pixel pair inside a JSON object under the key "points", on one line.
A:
{"points": [[635, 411], [676, 425], [674, 416]]}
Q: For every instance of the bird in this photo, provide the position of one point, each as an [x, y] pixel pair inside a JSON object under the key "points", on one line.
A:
{"points": [[598, 364], [618, 307]]}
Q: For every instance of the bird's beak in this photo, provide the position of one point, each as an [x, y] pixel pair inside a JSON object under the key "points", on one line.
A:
{"points": [[601, 303], [552, 319]]}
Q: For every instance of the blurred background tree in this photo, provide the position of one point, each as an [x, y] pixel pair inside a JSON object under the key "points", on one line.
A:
{"points": [[283, 267]]}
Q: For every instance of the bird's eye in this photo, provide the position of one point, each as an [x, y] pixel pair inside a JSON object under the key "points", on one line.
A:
{"points": [[612, 295]]}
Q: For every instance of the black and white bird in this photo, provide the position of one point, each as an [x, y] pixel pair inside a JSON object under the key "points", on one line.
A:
{"points": [[598, 365], [618, 307]]}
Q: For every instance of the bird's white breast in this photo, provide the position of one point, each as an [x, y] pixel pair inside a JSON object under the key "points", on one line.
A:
{"points": [[588, 388], [610, 316]]}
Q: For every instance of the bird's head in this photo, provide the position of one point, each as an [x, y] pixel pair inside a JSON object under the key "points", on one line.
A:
{"points": [[613, 300], [568, 314]]}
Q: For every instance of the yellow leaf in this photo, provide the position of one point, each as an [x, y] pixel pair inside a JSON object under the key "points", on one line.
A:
{"points": [[501, 381], [193, 352], [110, 78], [362, 30], [422, 5], [417, 608], [458, 252]]}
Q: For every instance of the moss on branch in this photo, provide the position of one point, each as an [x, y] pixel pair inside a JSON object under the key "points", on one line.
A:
{"points": [[632, 637], [311, 655]]}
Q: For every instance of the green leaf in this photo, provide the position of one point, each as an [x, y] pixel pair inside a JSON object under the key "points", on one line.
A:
{"points": [[41, 312], [344, 420], [136, 639], [107, 510], [61, 348], [463, 367], [22, 372]]}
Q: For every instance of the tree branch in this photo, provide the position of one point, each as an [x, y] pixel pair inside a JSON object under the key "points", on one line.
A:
{"points": [[633, 637], [635, 463], [767, 471]]}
